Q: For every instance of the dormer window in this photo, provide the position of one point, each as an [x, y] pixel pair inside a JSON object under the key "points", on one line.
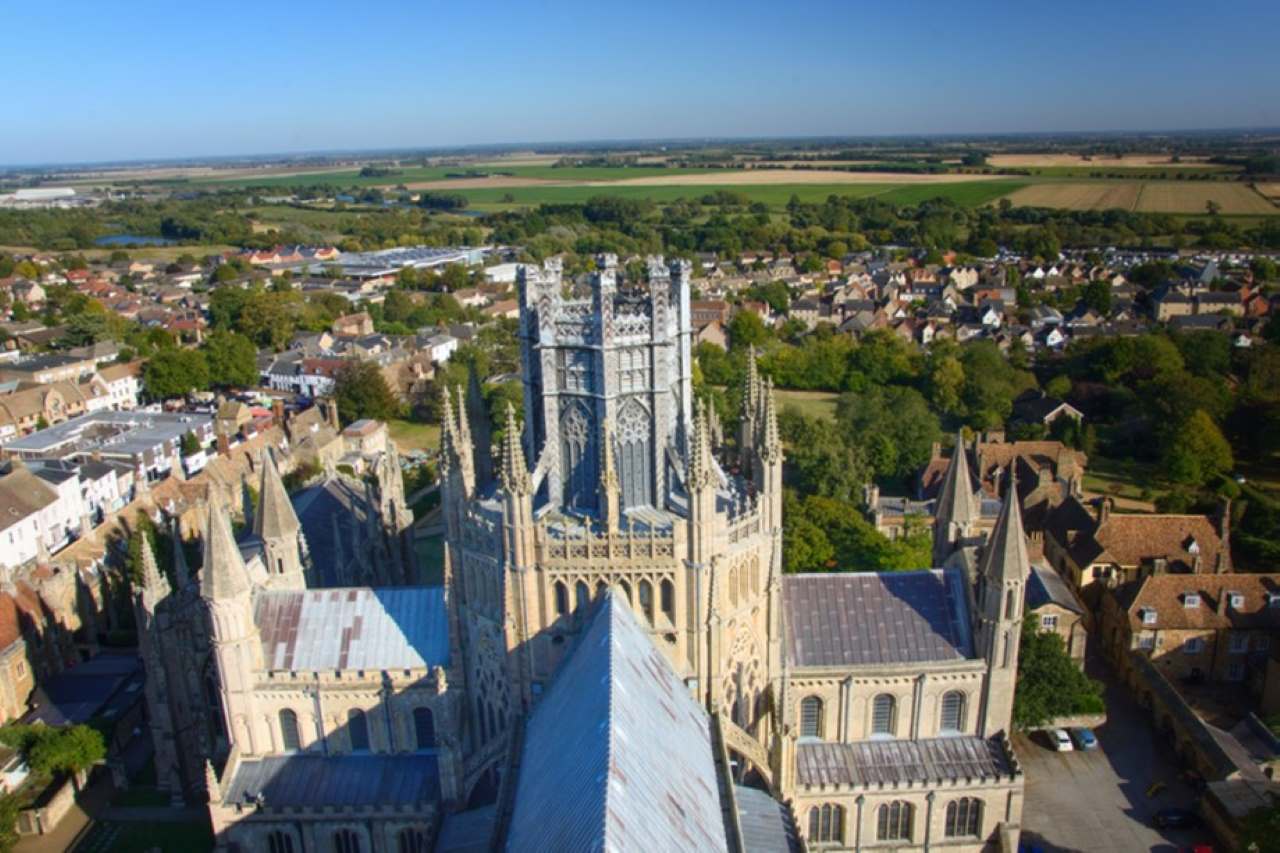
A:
{"points": [[1236, 600], [1191, 600], [1193, 547], [1273, 599], [1148, 616]]}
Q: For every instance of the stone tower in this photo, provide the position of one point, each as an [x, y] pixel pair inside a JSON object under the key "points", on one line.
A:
{"points": [[959, 506], [277, 526], [150, 602], [1002, 578]]}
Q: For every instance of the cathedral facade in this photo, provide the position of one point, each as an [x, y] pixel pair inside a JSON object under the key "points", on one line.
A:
{"points": [[614, 619]]}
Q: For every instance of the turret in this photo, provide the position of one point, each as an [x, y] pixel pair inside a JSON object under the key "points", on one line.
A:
{"points": [[153, 589], [748, 424], [702, 486], [959, 507], [1002, 578], [517, 489], [768, 459], [277, 526], [479, 422], [237, 651]]}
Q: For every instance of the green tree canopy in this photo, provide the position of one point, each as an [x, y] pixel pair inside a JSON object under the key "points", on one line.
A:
{"points": [[362, 392], [232, 360], [1050, 685], [1199, 452], [175, 373]]}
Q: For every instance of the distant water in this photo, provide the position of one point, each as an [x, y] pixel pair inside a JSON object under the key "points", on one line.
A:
{"points": [[131, 240]]}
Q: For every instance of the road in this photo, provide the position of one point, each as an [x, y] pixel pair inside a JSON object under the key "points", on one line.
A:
{"points": [[1097, 800]]}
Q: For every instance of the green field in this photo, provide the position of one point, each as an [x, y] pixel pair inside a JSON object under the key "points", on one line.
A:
{"points": [[815, 404], [415, 174], [413, 436]]}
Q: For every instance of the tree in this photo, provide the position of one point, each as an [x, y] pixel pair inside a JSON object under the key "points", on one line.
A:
{"points": [[828, 534], [1260, 830], [175, 373], [747, 329], [361, 392], [10, 805], [895, 424], [1199, 452], [1097, 295], [1050, 685], [67, 750], [232, 360]]}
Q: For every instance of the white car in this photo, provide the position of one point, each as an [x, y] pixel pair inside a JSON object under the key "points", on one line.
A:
{"points": [[1061, 740]]}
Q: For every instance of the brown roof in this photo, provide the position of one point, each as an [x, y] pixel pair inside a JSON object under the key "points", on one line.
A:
{"points": [[21, 494], [112, 372], [1033, 455], [10, 632], [1166, 594], [1131, 540]]}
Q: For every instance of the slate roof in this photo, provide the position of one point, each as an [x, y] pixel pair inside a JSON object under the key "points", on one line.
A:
{"points": [[316, 508], [1046, 586], [337, 780], [617, 755], [467, 832], [354, 628], [859, 618], [898, 762], [766, 824]]}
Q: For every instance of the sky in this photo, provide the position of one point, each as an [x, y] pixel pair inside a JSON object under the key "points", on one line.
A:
{"points": [[94, 81]]}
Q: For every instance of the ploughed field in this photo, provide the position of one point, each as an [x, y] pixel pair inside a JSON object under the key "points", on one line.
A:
{"points": [[1145, 196]]}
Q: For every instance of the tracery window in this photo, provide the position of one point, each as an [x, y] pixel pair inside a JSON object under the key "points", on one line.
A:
{"points": [[346, 841], [811, 717], [826, 824], [894, 821], [289, 739], [964, 818], [953, 708], [884, 712]]}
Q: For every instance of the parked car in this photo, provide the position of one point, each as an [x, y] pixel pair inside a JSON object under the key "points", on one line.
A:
{"points": [[1061, 740], [1175, 818], [1084, 738]]}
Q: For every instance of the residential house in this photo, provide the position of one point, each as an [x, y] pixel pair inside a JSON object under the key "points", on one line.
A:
{"points": [[1054, 608]]}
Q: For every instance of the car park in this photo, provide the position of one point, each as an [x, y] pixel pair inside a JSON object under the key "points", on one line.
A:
{"points": [[1060, 740], [1084, 738]]}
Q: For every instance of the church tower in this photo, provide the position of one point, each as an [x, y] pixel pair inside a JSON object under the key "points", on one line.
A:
{"points": [[1002, 578], [228, 595], [276, 525], [959, 506], [151, 606]]}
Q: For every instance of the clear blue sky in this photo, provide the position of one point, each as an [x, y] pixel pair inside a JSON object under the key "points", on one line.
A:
{"points": [[103, 81]]}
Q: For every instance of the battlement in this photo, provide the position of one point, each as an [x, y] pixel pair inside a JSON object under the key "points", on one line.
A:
{"points": [[432, 678]]}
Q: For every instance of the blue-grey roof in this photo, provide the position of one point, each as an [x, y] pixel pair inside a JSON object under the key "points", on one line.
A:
{"points": [[859, 618], [617, 754], [900, 762], [316, 507], [337, 780], [467, 832], [766, 824], [103, 686], [353, 628], [1045, 586]]}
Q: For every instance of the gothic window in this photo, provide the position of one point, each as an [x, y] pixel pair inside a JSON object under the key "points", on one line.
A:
{"points": [[358, 730], [279, 841], [953, 712], [826, 824], [424, 728], [626, 590], [1008, 650], [582, 595], [811, 717], [575, 370], [964, 818], [754, 571], [600, 588], [411, 840], [733, 585], [635, 468], [743, 581], [646, 600], [578, 456], [1009, 605], [894, 821], [562, 599], [346, 841], [289, 740], [669, 600], [883, 715]]}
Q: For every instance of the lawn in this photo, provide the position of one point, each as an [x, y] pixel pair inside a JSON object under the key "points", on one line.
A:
{"points": [[1127, 480], [818, 404], [414, 436]]}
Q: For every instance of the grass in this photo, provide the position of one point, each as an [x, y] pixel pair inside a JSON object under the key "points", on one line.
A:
{"points": [[415, 174], [414, 436], [1124, 478], [817, 404], [117, 837]]}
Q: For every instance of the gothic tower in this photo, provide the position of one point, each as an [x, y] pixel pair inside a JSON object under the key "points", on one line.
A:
{"points": [[151, 604], [1002, 578], [276, 525], [959, 506]]}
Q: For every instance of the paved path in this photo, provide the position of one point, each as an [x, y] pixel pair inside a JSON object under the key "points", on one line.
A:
{"points": [[1097, 800]]}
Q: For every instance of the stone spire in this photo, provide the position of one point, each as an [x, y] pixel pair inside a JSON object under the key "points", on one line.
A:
{"points": [[748, 427], [275, 517], [224, 574], [515, 473], [155, 587], [608, 475], [771, 441], [701, 468], [1006, 556], [958, 510]]}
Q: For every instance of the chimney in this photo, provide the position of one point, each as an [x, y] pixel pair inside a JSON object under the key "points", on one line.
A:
{"points": [[1221, 607], [1224, 522], [1104, 510], [1159, 566], [935, 450], [223, 444]]}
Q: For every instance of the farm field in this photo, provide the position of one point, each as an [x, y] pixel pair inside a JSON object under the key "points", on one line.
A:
{"points": [[1146, 196], [421, 174], [753, 177], [1271, 191], [1026, 161]]}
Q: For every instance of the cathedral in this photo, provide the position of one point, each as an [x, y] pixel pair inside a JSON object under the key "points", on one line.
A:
{"points": [[615, 659]]}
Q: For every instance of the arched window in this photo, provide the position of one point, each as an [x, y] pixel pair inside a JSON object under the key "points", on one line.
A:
{"points": [[894, 821], [626, 590], [600, 588], [884, 712], [826, 824], [346, 841], [358, 730], [744, 580], [733, 585], [1009, 603], [964, 818], [646, 600], [424, 728], [411, 840], [952, 712], [289, 740], [811, 717], [562, 599], [279, 841], [582, 595], [669, 600]]}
